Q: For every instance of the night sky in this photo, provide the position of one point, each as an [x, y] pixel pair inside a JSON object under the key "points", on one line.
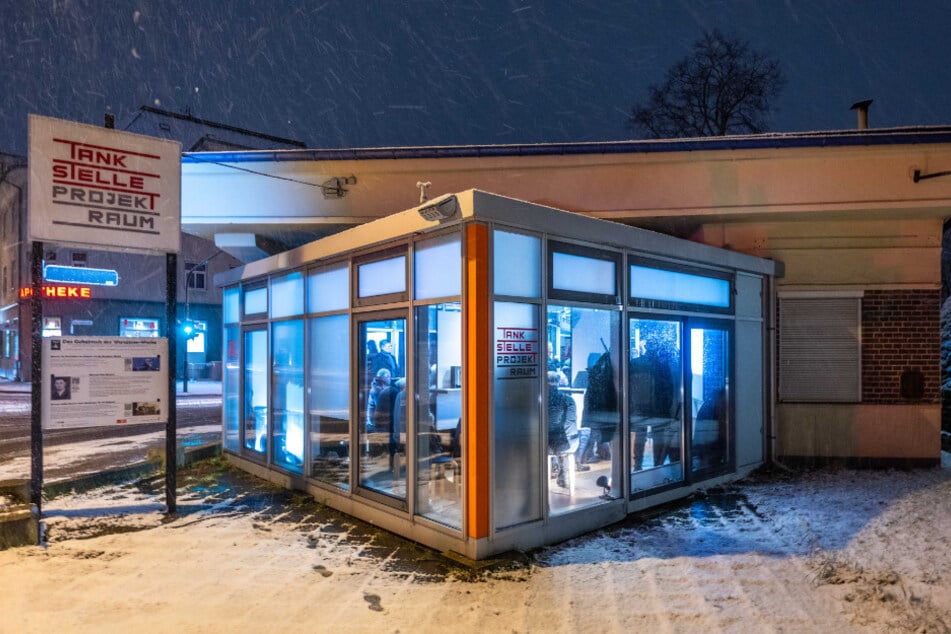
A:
{"points": [[377, 73]]}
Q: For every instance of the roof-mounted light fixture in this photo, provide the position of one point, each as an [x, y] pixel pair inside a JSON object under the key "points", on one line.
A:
{"points": [[440, 209]]}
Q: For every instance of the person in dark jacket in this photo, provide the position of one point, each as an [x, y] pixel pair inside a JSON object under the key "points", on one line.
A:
{"points": [[600, 409], [650, 398], [371, 367], [385, 358], [398, 427]]}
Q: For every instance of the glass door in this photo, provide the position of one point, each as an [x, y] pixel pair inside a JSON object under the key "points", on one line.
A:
{"points": [[382, 406], [584, 448], [255, 391], [439, 459], [287, 381], [710, 440], [655, 394]]}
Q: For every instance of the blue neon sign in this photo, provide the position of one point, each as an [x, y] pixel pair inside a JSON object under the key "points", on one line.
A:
{"points": [[80, 275]]}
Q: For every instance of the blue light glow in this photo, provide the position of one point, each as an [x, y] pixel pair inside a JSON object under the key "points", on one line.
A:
{"points": [[673, 286], [80, 275]]}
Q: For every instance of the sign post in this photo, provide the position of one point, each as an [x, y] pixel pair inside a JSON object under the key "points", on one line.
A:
{"points": [[104, 189], [36, 400], [171, 429]]}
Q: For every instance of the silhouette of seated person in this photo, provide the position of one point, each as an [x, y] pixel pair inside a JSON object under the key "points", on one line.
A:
{"points": [[455, 440], [562, 425], [379, 410]]}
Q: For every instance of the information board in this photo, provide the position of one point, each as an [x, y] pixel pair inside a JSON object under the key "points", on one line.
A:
{"points": [[100, 381]]}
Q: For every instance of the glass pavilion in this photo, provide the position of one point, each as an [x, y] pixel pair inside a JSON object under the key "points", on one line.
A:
{"points": [[480, 374]]}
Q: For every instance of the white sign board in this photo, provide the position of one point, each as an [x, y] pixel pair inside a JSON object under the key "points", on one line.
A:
{"points": [[100, 187], [99, 381]]}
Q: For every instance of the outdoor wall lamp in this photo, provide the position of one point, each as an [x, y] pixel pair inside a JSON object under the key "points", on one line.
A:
{"points": [[918, 176], [334, 188]]}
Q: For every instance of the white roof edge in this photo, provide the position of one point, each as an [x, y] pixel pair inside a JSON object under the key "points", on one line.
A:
{"points": [[478, 204]]}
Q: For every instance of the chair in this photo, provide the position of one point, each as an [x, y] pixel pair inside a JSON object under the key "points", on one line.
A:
{"points": [[443, 466]]}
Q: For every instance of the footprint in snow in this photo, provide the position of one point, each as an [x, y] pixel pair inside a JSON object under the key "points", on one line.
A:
{"points": [[374, 602]]}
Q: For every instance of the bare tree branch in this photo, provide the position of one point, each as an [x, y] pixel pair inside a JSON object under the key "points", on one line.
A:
{"points": [[721, 87]]}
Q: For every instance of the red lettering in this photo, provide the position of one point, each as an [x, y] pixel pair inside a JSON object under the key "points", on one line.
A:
{"points": [[78, 292], [96, 176]]}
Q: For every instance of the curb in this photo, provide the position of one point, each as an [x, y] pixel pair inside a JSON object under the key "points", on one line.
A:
{"points": [[135, 471]]}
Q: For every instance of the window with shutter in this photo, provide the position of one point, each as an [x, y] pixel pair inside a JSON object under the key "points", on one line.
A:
{"points": [[820, 348]]}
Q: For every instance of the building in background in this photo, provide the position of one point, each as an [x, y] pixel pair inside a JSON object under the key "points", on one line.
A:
{"points": [[101, 293], [855, 217]]}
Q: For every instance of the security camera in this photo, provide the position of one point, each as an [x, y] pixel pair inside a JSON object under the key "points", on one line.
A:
{"points": [[440, 209]]}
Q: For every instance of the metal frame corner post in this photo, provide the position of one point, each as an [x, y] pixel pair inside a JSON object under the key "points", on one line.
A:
{"points": [[171, 428]]}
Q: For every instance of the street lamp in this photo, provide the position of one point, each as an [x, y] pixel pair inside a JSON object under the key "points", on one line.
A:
{"points": [[188, 326]]}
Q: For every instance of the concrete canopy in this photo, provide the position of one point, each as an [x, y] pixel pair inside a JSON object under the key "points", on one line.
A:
{"points": [[279, 199]]}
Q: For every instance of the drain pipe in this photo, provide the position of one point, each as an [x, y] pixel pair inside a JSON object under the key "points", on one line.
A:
{"points": [[861, 107], [771, 366]]}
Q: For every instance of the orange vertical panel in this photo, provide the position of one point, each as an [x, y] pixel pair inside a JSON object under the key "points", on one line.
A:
{"points": [[478, 345]]}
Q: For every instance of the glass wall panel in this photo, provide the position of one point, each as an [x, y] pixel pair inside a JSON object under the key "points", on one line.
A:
{"points": [[682, 288], [230, 411], [328, 289], [287, 295], [583, 274], [382, 277], [255, 301], [382, 398], [438, 268], [516, 416], [330, 399], [709, 367], [584, 416], [230, 303], [287, 411], [655, 395], [255, 390], [439, 464], [518, 266]]}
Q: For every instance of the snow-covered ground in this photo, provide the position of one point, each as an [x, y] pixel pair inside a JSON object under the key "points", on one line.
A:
{"points": [[85, 457], [829, 550]]}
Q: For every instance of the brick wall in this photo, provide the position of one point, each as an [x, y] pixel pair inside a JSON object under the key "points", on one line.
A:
{"points": [[900, 332]]}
